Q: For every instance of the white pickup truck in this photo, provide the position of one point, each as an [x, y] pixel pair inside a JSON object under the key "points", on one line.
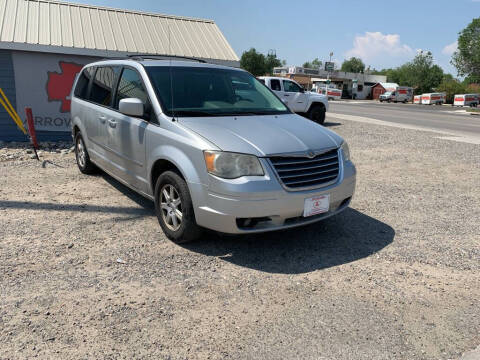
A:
{"points": [[308, 104]]}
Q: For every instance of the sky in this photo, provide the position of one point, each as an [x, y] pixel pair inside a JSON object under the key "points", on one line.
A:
{"points": [[382, 33]]}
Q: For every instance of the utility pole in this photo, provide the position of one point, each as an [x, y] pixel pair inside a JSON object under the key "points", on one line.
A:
{"points": [[328, 75]]}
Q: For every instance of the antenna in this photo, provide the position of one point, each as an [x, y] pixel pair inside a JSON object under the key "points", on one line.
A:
{"points": [[171, 73]]}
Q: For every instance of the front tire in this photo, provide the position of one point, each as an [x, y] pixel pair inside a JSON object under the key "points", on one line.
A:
{"points": [[174, 208], [317, 114], [81, 154]]}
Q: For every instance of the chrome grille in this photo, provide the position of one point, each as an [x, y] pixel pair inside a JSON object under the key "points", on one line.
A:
{"points": [[297, 173]]}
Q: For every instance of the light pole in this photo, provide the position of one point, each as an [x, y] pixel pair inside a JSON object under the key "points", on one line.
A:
{"points": [[328, 75]]}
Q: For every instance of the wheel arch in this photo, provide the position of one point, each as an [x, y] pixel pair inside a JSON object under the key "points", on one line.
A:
{"points": [[316, 103], [170, 158]]}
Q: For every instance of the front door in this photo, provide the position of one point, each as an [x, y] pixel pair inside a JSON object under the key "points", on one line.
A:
{"points": [[126, 134], [101, 97], [295, 96]]}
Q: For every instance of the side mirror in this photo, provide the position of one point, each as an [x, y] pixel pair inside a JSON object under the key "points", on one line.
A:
{"points": [[131, 107]]}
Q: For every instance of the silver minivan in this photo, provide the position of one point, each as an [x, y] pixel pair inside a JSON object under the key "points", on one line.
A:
{"points": [[210, 145]]}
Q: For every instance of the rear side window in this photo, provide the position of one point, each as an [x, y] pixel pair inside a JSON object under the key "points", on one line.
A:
{"points": [[82, 83], [102, 86], [275, 85], [131, 86]]}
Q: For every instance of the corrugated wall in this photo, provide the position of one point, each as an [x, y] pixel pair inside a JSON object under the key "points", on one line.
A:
{"points": [[8, 130]]}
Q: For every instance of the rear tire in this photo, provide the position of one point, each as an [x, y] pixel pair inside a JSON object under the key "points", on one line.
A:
{"points": [[174, 208], [317, 114], [83, 159]]}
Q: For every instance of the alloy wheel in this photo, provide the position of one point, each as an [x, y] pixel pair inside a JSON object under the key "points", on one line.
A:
{"points": [[171, 207]]}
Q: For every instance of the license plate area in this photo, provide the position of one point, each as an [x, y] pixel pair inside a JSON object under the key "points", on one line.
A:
{"points": [[316, 205]]}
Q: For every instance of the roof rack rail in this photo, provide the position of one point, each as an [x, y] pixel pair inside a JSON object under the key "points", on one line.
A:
{"points": [[141, 57]]}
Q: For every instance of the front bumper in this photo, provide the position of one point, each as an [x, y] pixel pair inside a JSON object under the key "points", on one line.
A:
{"points": [[225, 209]]}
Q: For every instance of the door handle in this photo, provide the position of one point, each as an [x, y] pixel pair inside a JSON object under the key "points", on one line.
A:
{"points": [[102, 119], [112, 123], [286, 95]]}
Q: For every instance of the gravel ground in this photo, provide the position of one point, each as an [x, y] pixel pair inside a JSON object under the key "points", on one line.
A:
{"points": [[85, 271]]}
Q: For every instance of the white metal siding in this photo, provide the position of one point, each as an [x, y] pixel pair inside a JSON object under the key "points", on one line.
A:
{"points": [[51, 23]]}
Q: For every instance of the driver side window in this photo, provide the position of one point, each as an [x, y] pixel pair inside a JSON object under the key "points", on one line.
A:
{"points": [[290, 86]]}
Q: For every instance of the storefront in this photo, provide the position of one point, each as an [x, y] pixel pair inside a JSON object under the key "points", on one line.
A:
{"points": [[40, 58]]}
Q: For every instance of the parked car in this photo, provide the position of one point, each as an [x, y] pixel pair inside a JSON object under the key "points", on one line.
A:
{"points": [[210, 145], [305, 103], [471, 100], [386, 96]]}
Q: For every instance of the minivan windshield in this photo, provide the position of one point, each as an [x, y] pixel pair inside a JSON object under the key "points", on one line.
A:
{"points": [[202, 91]]}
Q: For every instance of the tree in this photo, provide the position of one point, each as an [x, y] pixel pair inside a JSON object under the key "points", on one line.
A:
{"points": [[314, 64], [451, 87], [307, 64], [422, 74], [353, 65], [467, 57], [271, 61], [258, 64], [253, 62]]}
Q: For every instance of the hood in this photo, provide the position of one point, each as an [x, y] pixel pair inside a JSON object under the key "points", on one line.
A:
{"points": [[263, 135]]}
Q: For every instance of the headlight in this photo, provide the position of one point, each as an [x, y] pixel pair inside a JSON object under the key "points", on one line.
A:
{"points": [[346, 151], [232, 165]]}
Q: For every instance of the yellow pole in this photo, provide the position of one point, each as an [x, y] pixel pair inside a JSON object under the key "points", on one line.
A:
{"points": [[11, 111]]}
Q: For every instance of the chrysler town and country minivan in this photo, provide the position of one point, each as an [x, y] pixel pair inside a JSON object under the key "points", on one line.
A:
{"points": [[210, 145]]}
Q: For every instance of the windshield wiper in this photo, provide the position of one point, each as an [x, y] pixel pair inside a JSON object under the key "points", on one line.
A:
{"points": [[192, 113]]}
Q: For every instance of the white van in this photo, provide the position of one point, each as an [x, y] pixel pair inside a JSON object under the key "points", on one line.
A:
{"points": [[433, 98], [417, 99], [471, 100]]}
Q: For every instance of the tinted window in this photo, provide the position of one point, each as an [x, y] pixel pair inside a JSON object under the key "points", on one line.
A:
{"points": [[102, 86], [290, 86], [202, 91], [131, 86], [262, 81], [82, 83], [275, 85]]}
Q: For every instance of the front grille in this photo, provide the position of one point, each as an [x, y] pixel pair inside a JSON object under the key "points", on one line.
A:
{"points": [[297, 173]]}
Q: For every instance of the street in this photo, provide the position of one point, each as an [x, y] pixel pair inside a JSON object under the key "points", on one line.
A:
{"points": [[443, 119]]}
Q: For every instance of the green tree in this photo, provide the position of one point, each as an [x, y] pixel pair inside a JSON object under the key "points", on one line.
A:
{"points": [[467, 57], [422, 74], [451, 87], [314, 64], [271, 61], [307, 64], [354, 65], [254, 62], [258, 64]]}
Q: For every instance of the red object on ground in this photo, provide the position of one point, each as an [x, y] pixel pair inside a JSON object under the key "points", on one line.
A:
{"points": [[31, 127]]}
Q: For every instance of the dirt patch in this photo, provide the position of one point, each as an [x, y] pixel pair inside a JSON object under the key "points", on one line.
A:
{"points": [[394, 277]]}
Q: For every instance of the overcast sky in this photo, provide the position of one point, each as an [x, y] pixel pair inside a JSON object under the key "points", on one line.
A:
{"points": [[382, 33]]}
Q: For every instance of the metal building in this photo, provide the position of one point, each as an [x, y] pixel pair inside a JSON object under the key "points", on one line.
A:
{"points": [[44, 43]]}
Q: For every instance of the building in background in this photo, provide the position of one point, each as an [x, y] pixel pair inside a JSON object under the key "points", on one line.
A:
{"points": [[381, 88], [353, 85], [43, 45]]}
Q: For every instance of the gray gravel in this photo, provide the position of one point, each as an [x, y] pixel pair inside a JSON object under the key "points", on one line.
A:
{"points": [[394, 277]]}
